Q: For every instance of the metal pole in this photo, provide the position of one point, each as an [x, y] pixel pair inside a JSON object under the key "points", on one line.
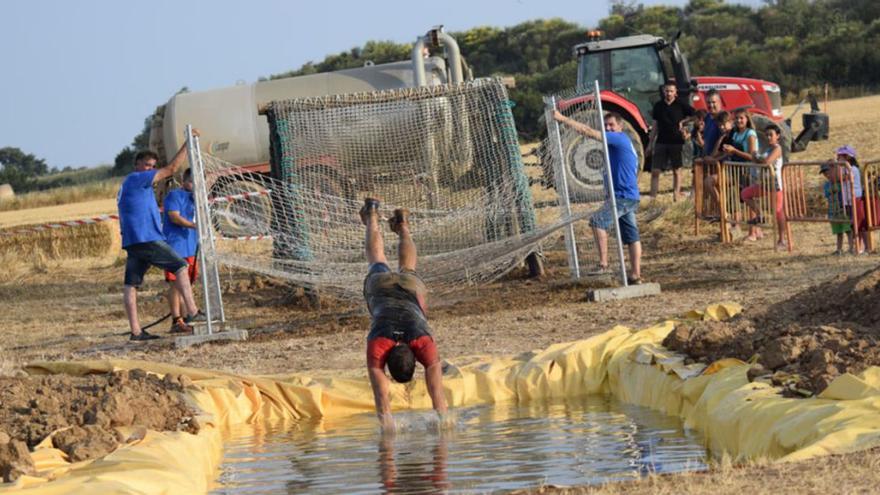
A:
{"points": [[208, 227], [418, 61], [454, 57], [200, 200], [562, 189], [609, 181]]}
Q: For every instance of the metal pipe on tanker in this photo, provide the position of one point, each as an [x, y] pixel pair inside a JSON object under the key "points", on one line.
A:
{"points": [[418, 61], [454, 56]]}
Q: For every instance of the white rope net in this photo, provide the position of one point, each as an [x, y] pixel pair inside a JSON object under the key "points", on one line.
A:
{"points": [[447, 153]]}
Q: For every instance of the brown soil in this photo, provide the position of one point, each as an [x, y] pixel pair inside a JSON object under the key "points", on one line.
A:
{"points": [[801, 343], [89, 409]]}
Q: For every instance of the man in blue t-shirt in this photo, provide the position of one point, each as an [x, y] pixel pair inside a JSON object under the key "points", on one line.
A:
{"points": [[624, 173], [142, 236], [178, 225]]}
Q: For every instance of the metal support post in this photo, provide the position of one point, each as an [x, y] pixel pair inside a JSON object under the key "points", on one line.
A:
{"points": [[609, 187], [559, 169]]}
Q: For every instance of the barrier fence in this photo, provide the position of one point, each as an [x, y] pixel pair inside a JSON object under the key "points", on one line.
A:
{"points": [[812, 191], [871, 189]]}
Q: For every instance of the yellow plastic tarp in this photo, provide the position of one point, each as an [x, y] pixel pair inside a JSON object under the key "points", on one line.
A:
{"points": [[740, 419]]}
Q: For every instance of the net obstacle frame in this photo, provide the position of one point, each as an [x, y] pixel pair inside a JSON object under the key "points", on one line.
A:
{"points": [[215, 328]]}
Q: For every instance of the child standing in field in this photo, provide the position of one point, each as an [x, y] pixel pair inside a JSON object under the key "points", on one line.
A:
{"points": [[852, 196], [831, 190], [771, 156]]}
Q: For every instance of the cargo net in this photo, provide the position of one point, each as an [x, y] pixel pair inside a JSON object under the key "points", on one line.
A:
{"points": [[575, 165], [447, 153]]}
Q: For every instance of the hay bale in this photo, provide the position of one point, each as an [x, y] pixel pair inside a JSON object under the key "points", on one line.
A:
{"points": [[87, 241], [6, 192]]}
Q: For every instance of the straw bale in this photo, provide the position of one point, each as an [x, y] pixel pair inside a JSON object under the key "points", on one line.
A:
{"points": [[86, 241], [6, 192]]}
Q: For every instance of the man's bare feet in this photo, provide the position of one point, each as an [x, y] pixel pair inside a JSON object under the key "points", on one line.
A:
{"points": [[399, 220], [370, 209]]}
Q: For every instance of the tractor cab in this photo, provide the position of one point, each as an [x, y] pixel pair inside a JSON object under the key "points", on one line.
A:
{"points": [[633, 67]]}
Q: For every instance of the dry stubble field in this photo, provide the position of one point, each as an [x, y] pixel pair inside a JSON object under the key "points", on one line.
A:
{"points": [[62, 309]]}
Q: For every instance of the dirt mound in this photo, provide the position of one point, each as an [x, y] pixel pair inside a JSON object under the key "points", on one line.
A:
{"points": [[802, 343], [91, 408]]}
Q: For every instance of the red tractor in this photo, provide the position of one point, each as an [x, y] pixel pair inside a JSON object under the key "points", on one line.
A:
{"points": [[630, 72]]}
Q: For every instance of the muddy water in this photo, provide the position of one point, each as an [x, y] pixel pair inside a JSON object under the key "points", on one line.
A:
{"points": [[490, 448]]}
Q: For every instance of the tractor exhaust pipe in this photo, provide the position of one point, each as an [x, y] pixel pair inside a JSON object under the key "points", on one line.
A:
{"points": [[436, 36]]}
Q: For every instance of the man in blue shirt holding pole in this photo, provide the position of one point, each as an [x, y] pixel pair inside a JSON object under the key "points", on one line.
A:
{"points": [[624, 173], [143, 240]]}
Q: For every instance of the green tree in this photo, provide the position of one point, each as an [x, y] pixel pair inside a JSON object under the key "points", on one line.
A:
{"points": [[19, 169]]}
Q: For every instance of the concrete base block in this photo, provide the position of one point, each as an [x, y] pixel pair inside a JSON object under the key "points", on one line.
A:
{"points": [[226, 334], [610, 294]]}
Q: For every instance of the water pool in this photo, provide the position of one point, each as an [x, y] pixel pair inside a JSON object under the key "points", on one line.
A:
{"points": [[491, 448]]}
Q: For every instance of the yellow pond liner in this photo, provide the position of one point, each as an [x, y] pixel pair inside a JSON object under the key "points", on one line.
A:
{"points": [[743, 420]]}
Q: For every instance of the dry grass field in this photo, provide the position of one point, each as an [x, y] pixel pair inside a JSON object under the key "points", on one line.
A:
{"points": [[69, 306]]}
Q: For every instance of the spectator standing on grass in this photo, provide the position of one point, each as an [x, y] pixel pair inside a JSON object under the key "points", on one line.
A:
{"points": [[743, 147], [772, 156], [142, 237], [178, 225], [399, 334], [724, 126], [624, 173], [850, 173], [711, 127], [831, 190], [694, 138], [666, 144]]}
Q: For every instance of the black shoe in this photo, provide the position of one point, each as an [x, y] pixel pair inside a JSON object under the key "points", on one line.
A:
{"points": [[758, 220], [371, 205], [144, 335], [196, 318]]}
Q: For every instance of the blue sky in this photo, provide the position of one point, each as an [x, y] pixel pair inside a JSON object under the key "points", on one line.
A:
{"points": [[79, 77]]}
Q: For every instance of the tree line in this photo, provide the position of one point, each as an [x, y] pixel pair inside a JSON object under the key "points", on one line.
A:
{"points": [[799, 44]]}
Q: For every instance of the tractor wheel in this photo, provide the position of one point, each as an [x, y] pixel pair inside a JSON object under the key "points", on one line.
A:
{"points": [[761, 122], [325, 192], [241, 217], [585, 160]]}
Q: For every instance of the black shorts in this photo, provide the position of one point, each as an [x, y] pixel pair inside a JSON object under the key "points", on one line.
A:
{"points": [[667, 157], [146, 254]]}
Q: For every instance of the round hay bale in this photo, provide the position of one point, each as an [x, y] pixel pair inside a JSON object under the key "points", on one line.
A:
{"points": [[6, 192]]}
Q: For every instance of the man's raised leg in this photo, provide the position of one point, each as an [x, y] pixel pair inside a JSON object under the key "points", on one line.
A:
{"points": [[374, 245], [406, 248]]}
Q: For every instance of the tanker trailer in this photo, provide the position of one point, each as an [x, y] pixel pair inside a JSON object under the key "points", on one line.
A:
{"points": [[233, 130]]}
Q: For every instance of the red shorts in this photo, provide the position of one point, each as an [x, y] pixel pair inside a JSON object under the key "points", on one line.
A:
{"points": [[192, 269], [755, 191], [423, 348]]}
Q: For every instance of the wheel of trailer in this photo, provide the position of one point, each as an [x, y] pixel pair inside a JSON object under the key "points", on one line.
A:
{"points": [[585, 160], [325, 196], [247, 216], [761, 122]]}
